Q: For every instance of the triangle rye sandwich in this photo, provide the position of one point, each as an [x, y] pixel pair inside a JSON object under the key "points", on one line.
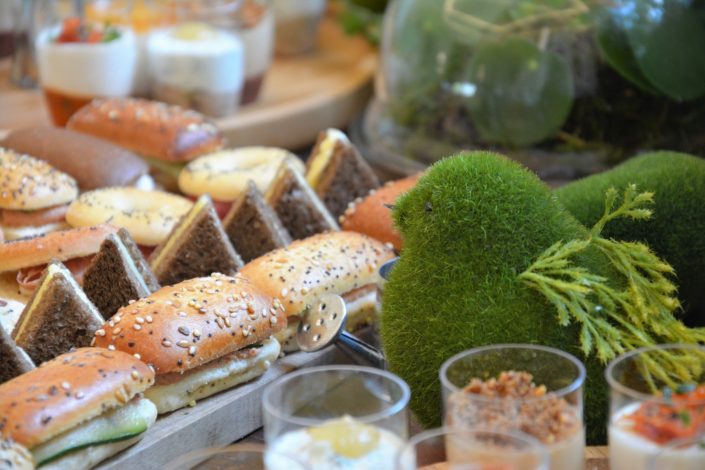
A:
{"points": [[78, 409], [201, 336]]}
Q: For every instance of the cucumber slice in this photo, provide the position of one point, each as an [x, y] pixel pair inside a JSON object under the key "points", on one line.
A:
{"points": [[116, 425], [170, 168]]}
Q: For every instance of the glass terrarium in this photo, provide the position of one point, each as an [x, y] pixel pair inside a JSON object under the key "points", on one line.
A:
{"points": [[565, 86]]}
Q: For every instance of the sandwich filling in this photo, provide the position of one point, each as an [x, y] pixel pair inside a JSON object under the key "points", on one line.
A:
{"points": [[323, 156], [117, 425], [176, 390]]}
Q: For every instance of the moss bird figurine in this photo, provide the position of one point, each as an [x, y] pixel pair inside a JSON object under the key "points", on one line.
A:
{"points": [[676, 231], [490, 256]]}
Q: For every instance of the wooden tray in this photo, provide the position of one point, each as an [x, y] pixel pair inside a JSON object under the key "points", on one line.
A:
{"points": [[301, 95]]}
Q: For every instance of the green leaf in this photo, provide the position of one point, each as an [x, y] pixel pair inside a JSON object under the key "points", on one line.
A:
{"points": [[616, 50], [523, 94], [667, 38]]}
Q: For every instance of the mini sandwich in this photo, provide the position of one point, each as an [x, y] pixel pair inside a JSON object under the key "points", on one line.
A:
{"points": [[75, 248], [197, 246], [34, 196], [79, 409], [297, 205], [94, 163], [337, 172], [14, 456], [167, 137], [343, 263], [201, 336], [13, 360]]}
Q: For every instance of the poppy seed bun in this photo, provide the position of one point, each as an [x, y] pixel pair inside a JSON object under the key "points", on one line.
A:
{"points": [[189, 324], [95, 163], [149, 128], [332, 262], [27, 183], [67, 391], [14, 456], [62, 245], [372, 216]]}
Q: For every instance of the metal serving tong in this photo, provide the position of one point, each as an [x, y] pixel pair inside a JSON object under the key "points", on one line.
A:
{"points": [[324, 324]]}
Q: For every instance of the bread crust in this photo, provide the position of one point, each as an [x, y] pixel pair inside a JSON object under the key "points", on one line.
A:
{"points": [[27, 183], [371, 216], [189, 324], [66, 391], [62, 245], [94, 163], [332, 262], [150, 128]]}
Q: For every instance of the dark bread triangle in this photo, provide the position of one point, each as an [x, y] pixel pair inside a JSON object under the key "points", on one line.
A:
{"points": [[196, 247], [57, 317], [13, 360], [345, 177], [301, 212], [137, 258], [112, 279], [253, 227]]}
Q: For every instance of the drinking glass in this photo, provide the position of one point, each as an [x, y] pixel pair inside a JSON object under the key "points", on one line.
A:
{"points": [[337, 416], [650, 407], [235, 457], [553, 414], [687, 454], [466, 449]]}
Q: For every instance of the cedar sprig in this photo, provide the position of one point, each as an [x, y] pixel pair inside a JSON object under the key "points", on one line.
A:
{"points": [[615, 319]]}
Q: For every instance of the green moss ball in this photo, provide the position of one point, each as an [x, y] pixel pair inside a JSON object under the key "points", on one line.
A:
{"points": [[676, 231], [471, 225]]}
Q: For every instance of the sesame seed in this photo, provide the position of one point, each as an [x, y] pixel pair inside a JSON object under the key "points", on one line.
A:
{"points": [[66, 385], [273, 320], [135, 375], [192, 351], [184, 330], [137, 327], [100, 332], [196, 333], [149, 318], [285, 291], [182, 314], [117, 331], [183, 343], [137, 356], [79, 395], [111, 347], [166, 343], [139, 320]]}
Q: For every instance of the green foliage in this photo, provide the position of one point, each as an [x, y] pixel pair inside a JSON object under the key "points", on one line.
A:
{"points": [[471, 226], [363, 17], [523, 94], [614, 321], [674, 232]]}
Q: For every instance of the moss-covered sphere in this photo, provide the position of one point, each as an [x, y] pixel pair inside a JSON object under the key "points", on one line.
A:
{"points": [[676, 231], [472, 224]]}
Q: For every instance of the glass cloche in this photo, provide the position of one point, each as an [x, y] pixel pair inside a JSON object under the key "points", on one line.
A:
{"points": [[565, 86]]}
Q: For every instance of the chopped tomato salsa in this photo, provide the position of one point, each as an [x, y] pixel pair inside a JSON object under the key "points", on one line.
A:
{"points": [[75, 31]]}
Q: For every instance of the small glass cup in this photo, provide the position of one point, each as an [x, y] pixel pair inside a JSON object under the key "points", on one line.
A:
{"points": [[235, 457], [334, 416], [688, 454], [554, 417], [647, 412], [297, 25], [470, 449]]}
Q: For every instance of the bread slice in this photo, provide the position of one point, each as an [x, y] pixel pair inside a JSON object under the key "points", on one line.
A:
{"points": [[137, 258], [253, 227], [112, 279], [337, 172], [57, 317], [297, 205], [196, 247], [14, 361]]}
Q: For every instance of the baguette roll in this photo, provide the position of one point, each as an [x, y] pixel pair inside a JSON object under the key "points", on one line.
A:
{"points": [[334, 262], [149, 128], [94, 163]]}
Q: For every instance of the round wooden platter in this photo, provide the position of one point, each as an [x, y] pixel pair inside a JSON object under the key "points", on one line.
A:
{"points": [[301, 95]]}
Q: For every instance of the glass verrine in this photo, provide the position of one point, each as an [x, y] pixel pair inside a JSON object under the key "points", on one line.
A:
{"points": [[463, 449], [336, 417], [688, 454], [652, 407], [519, 387], [235, 457]]}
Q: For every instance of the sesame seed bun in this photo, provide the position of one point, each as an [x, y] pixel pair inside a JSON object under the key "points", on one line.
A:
{"points": [[332, 262], [371, 216], [189, 324], [149, 128], [27, 183], [62, 245], [14, 456], [149, 216], [67, 391]]}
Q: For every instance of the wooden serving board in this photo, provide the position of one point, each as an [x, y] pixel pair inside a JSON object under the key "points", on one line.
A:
{"points": [[301, 95]]}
